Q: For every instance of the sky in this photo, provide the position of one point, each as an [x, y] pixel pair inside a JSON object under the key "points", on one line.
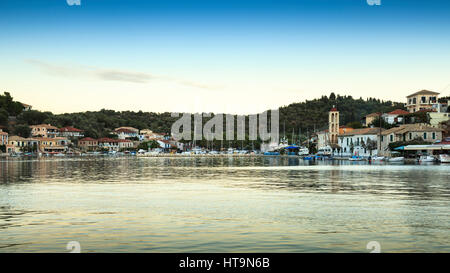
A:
{"points": [[219, 56]]}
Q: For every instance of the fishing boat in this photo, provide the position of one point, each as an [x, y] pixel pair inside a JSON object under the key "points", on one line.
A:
{"points": [[303, 151], [444, 158], [378, 158], [397, 159], [271, 153], [355, 158], [427, 158]]}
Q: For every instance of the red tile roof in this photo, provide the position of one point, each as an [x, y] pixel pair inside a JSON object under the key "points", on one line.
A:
{"points": [[107, 139], [123, 140], [88, 139], [70, 129], [398, 112]]}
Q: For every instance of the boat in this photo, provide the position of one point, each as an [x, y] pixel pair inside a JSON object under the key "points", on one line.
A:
{"points": [[444, 158], [378, 158], [427, 158], [355, 158], [396, 159], [303, 151], [271, 153]]}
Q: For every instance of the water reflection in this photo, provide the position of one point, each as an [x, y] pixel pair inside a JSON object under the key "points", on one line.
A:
{"points": [[225, 204]]}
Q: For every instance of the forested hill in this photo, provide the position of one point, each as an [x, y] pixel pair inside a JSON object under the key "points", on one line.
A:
{"points": [[304, 116], [314, 113]]}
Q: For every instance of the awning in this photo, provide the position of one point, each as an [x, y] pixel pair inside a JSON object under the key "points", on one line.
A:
{"points": [[425, 147], [292, 147]]}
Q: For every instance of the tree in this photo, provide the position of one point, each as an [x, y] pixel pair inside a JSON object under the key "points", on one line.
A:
{"points": [[13, 108], [3, 117], [370, 145], [354, 125], [33, 117], [381, 123], [22, 130], [332, 96], [152, 144]]}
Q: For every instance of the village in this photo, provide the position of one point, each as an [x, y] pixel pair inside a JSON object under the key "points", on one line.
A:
{"points": [[393, 144], [418, 141]]}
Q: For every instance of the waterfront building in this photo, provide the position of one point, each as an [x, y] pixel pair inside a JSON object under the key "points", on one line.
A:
{"points": [[126, 132], [44, 130], [3, 138], [70, 132], [53, 144], [88, 144], [17, 144], [421, 100], [408, 132], [108, 144], [323, 137], [360, 142], [125, 144]]}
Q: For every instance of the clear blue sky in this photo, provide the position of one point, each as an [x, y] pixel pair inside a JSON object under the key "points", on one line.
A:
{"points": [[239, 56]]}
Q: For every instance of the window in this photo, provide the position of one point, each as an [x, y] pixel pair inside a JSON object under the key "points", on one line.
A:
{"points": [[414, 100], [410, 136], [424, 135], [434, 135], [422, 99], [391, 138]]}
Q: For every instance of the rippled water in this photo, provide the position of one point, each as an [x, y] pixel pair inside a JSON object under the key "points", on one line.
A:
{"points": [[257, 204]]}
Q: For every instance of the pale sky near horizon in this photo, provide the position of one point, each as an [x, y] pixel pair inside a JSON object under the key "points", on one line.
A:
{"points": [[219, 56]]}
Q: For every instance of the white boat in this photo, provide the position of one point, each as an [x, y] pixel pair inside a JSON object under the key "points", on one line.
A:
{"points": [[427, 158], [378, 158], [396, 159], [303, 151], [444, 158]]}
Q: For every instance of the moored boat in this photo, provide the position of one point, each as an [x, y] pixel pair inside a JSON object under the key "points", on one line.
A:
{"points": [[396, 159], [427, 158], [444, 158], [355, 158]]}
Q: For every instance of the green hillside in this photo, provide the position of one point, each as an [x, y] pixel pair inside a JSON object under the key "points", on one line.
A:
{"points": [[302, 116]]}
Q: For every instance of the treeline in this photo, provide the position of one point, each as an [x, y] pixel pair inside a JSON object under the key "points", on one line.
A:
{"points": [[300, 118], [8, 107], [313, 114]]}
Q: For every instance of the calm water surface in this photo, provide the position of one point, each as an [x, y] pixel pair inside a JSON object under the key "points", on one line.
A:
{"points": [[258, 204]]}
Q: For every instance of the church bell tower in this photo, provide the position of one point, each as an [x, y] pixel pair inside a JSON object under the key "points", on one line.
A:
{"points": [[333, 125]]}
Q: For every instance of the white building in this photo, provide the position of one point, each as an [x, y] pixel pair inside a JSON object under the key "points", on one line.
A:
{"points": [[441, 114], [126, 132], [322, 139], [357, 142], [395, 116]]}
